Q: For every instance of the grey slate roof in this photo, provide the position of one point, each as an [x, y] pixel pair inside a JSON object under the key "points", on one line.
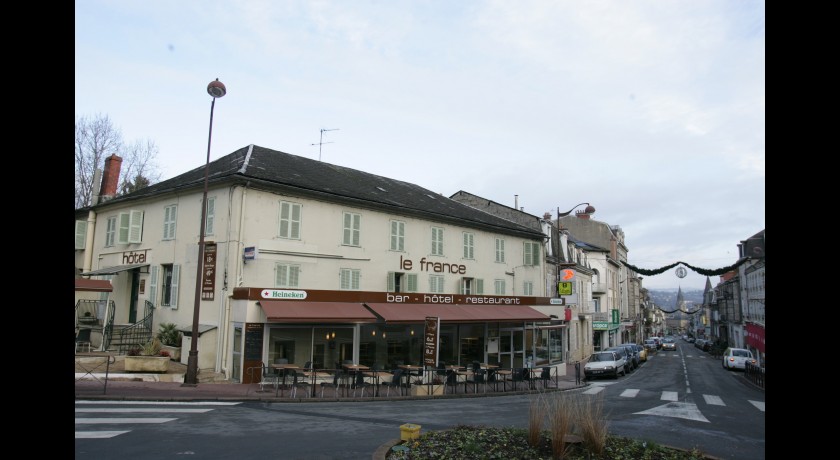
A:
{"points": [[286, 173]]}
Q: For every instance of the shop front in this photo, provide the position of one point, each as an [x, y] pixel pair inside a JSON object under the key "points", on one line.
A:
{"points": [[365, 328]]}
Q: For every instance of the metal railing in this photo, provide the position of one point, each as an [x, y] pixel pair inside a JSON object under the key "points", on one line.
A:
{"points": [[137, 334], [754, 374]]}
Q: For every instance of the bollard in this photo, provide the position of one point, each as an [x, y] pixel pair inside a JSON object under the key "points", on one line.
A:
{"points": [[409, 431]]}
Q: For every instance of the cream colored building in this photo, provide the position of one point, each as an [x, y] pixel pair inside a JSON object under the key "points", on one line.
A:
{"points": [[312, 262]]}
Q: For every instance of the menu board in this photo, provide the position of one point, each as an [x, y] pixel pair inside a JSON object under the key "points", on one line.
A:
{"points": [[253, 352]]}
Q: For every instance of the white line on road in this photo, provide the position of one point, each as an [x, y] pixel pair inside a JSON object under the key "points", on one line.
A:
{"points": [[713, 400], [140, 410], [669, 396], [98, 434], [121, 420], [629, 393], [160, 403], [758, 404], [593, 391]]}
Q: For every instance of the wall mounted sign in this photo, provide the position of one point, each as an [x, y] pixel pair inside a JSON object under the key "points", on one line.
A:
{"points": [[208, 286]]}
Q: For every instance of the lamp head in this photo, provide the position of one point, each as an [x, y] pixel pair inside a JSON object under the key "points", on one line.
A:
{"points": [[216, 89]]}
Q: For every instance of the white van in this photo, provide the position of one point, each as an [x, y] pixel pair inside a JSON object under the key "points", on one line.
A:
{"points": [[736, 358]]}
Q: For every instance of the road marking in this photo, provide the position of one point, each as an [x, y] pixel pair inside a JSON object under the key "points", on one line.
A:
{"points": [[758, 404], [160, 403], [140, 410], [713, 400], [120, 420], [593, 391], [669, 396], [677, 410], [98, 434], [629, 393]]}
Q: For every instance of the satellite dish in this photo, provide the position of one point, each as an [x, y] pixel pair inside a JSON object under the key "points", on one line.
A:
{"points": [[758, 251]]}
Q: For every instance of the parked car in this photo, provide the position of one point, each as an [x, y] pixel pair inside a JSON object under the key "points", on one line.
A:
{"points": [[642, 352], [737, 358], [629, 355], [658, 341], [669, 344], [650, 344], [637, 354], [699, 343], [605, 363]]}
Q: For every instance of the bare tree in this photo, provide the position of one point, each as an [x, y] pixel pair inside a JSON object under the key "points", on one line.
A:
{"points": [[96, 139]]}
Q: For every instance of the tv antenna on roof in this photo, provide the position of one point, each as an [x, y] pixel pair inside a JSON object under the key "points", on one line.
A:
{"points": [[321, 142]]}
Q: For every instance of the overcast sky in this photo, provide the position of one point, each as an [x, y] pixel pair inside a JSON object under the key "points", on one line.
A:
{"points": [[651, 111]]}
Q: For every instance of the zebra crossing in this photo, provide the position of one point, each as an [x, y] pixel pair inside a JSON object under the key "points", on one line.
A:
{"points": [[673, 407], [132, 413]]}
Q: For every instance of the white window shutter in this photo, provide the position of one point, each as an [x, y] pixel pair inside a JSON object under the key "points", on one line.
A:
{"points": [[391, 281], [294, 275], [176, 274], [211, 216], [479, 286], [280, 275], [135, 234], [153, 285], [295, 224], [411, 280], [81, 234]]}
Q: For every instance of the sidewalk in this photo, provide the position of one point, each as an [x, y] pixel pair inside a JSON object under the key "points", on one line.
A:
{"points": [[117, 387]]}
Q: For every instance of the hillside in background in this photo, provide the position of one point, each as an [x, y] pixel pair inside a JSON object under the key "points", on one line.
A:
{"points": [[666, 299]]}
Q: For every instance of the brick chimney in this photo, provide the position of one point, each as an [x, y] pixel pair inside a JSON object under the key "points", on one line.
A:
{"points": [[110, 178], [547, 216]]}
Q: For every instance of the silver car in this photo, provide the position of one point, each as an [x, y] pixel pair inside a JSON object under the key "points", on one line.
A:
{"points": [[737, 358]]}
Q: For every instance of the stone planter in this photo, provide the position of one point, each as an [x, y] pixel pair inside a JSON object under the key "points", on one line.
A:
{"points": [[157, 364], [427, 390], [174, 352]]}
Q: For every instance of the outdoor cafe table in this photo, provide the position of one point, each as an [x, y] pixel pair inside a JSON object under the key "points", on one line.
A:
{"points": [[408, 368], [283, 368], [353, 369], [314, 376], [376, 376]]}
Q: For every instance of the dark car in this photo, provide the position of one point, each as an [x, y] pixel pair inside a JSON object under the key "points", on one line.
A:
{"points": [[628, 355], [637, 356]]}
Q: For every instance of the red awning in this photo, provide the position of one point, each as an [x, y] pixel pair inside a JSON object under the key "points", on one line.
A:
{"points": [[413, 313], [316, 312], [83, 284], [755, 336]]}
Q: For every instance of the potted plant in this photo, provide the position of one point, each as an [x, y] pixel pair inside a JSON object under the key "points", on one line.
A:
{"points": [[170, 337], [422, 388], [149, 358]]}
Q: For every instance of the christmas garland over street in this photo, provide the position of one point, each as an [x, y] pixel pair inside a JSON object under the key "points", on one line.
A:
{"points": [[702, 271]]}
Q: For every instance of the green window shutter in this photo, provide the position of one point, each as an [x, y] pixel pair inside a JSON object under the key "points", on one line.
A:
{"points": [[411, 280], [391, 281], [81, 234], [344, 282], [479, 286], [357, 275], [357, 227], [125, 223], [284, 220], [176, 275], [348, 237]]}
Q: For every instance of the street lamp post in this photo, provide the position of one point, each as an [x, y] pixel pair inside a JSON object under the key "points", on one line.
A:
{"points": [[216, 89]]}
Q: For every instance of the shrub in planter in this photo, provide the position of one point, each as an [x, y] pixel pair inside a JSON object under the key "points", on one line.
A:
{"points": [[169, 334]]}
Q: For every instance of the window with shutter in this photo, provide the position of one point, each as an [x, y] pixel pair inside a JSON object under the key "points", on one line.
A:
{"points": [[352, 229], [110, 232], [437, 241], [135, 233], [169, 218], [397, 235], [468, 245], [500, 250], [81, 234], [500, 287], [153, 285], [436, 284], [173, 296], [211, 216], [290, 215], [287, 275], [124, 225], [349, 279]]}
